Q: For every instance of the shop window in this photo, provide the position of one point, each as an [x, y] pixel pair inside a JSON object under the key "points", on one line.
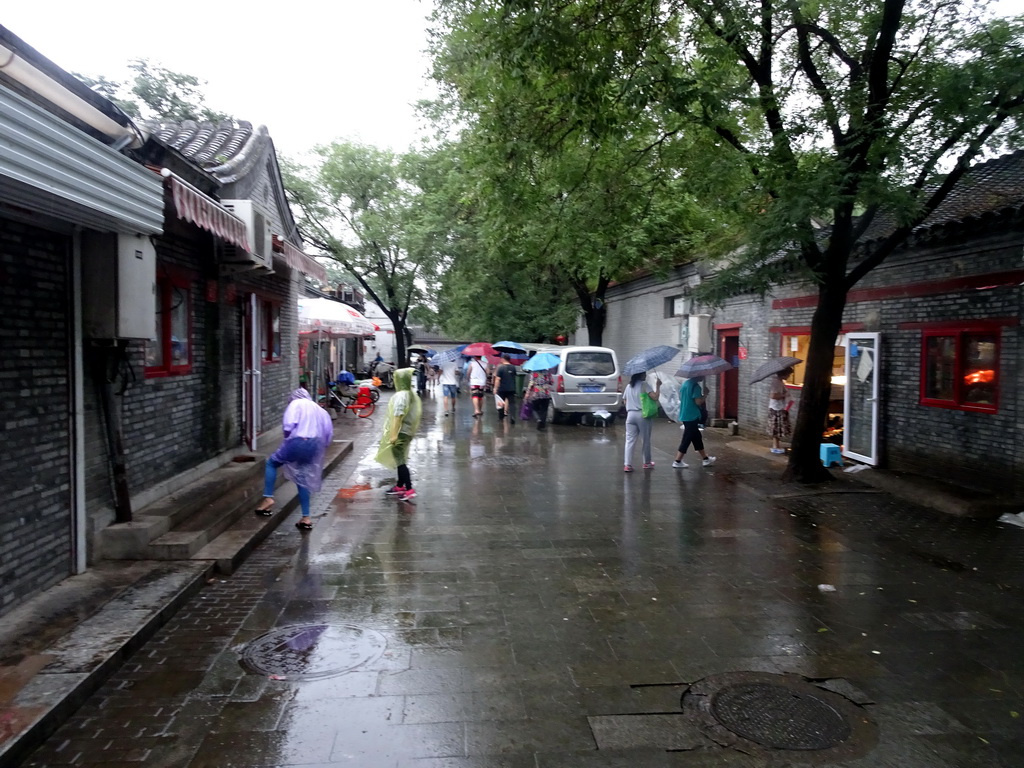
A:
{"points": [[960, 369], [270, 331], [170, 353], [797, 345]]}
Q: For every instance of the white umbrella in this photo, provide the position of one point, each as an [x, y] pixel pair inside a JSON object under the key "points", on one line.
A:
{"points": [[333, 318], [329, 319]]}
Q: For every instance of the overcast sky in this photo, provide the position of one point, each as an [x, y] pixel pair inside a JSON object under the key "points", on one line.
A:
{"points": [[310, 70]]}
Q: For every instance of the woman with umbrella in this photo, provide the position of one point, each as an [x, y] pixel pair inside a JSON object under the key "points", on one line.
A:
{"points": [[777, 370], [691, 398], [538, 389], [638, 397]]}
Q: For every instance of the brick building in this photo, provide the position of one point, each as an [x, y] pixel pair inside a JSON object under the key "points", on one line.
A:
{"points": [[947, 358], [148, 289]]}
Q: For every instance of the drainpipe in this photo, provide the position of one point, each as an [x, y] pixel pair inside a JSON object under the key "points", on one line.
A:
{"points": [[20, 70], [79, 522]]}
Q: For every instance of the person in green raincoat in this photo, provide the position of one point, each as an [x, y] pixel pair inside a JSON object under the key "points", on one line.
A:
{"points": [[403, 419]]}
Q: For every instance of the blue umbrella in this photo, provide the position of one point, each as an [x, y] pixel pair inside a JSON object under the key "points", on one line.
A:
{"points": [[542, 361], [448, 355], [649, 359], [512, 347]]}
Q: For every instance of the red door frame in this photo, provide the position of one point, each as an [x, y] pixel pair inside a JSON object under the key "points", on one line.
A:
{"points": [[729, 382]]}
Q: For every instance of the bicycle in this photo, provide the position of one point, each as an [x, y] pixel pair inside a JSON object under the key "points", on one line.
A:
{"points": [[364, 404]]}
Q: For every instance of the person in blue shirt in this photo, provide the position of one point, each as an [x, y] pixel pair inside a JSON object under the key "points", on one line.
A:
{"points": [[691, 398]]}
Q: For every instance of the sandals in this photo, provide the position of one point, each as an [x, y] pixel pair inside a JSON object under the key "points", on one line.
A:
{"points": [[264, 512], [304, 525]]}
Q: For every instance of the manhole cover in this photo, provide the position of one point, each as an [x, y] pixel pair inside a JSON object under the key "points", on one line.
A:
{"points": [[778, 716], [313, 651]]}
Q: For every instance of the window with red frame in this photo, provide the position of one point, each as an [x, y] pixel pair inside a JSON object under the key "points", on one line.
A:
{"points": [[171, 352], [270, 335], [960, 368]]}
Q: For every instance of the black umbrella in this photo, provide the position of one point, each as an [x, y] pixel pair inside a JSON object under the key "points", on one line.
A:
{"points": [[773, 366]]}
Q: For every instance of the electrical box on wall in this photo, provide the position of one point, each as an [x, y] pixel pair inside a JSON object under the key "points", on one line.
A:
{"points": [[699, 335], [118, 286]]}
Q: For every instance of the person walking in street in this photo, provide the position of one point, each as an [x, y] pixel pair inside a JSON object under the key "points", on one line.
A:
{"points": [[477, 385], [421, 375], [307, 433], [403, 419], [504, 385], [637, 423], [691, 398], [778, 412], [449, 379], [538, 395]]}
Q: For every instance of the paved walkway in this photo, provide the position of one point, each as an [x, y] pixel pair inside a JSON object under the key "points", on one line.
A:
{"points": [[538, 607]]}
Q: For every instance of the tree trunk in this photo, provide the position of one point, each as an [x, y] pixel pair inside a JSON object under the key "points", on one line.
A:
{"points": [[595, 317], [804, 460]]}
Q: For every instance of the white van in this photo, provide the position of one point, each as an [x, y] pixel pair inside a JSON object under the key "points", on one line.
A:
{"points": [[587, 380]]}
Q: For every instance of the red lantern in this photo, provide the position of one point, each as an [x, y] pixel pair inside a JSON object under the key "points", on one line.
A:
{"points": [[560, 339]]}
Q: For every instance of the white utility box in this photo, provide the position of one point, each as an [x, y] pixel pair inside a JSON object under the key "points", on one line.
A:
{"points": [[118, 286], [698, 337]]}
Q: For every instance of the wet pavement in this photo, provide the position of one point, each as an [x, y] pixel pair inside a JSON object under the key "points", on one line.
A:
{"points": [[535, 606]]}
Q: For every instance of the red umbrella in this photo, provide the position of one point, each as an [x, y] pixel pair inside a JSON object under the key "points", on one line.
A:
{"points": [[480, 349]]}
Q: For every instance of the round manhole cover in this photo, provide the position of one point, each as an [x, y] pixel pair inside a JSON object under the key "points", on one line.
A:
{"points": [[778, 716], [313, 651]]}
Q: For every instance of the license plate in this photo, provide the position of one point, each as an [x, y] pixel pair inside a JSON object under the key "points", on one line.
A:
{"points": [[591, 388]]}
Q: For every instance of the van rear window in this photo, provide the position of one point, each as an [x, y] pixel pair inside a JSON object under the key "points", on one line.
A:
{"points": [[589, 364]]}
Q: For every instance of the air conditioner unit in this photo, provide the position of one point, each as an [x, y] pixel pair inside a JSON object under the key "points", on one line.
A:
{"points": [[257, 229]]}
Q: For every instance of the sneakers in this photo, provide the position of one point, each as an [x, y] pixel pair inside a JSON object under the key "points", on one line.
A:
{"points": [[628, 468], [397, 490], [408, 495], [679, 465], [709, 461], [649, 465]]}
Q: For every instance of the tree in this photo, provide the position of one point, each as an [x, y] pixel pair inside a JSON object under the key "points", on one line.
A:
{"points": [[555, 195], [859, 115], [360, 206], [157, 93]]}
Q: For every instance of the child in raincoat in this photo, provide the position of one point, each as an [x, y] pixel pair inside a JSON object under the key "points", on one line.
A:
{"points": [[403, 419]]}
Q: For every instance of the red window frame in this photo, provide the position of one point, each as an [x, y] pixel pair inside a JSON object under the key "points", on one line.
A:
{"points": [[960, 336], [270, 343], [172, 286]]}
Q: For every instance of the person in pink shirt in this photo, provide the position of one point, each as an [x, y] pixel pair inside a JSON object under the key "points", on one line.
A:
{"points": [[307, 433]]}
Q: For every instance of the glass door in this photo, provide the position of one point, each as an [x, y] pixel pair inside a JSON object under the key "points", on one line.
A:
{"points": [[860, 407]]}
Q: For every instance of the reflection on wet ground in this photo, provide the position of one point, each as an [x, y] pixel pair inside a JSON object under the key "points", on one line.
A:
{"points": [[537, 607]]}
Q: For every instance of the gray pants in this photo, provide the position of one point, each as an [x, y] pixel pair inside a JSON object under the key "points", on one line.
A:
{"points": [[637, 426]]}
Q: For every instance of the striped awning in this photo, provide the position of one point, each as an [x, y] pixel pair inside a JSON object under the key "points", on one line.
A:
{"points": [[296, 259], [205, 212]]}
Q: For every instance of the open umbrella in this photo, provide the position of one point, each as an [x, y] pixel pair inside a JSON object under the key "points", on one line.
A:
{"points": [[773, 366], [448, 355], [419, 350], [703, 365], [542, 361], [513, 348], [649, 359], [480, 349]]}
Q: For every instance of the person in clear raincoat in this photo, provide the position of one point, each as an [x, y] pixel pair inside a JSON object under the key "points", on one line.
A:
{"points": [[307, 433], [403, 419]]}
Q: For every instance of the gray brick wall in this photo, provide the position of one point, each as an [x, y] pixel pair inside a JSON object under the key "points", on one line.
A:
{"points": [[35, 511], [173, 423], [973, 449]]}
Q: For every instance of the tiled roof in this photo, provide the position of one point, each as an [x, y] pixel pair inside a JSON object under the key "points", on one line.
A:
{"points": [[229, 149], [989, 188]]}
